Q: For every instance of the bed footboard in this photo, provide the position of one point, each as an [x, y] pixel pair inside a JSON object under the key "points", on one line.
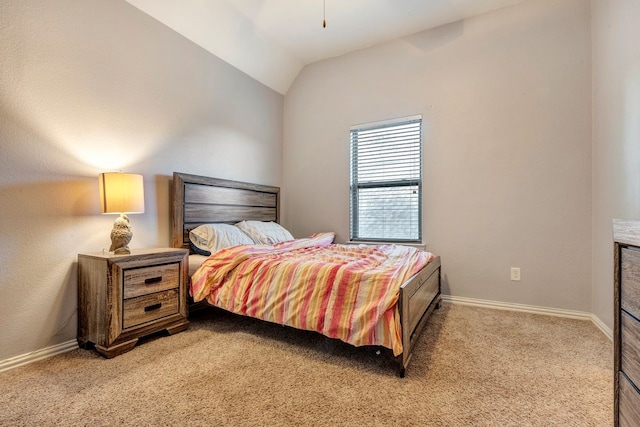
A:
{"points": [[419, 296]]}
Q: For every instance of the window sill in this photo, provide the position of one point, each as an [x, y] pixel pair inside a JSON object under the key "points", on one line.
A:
{"points": [[420, 246]]}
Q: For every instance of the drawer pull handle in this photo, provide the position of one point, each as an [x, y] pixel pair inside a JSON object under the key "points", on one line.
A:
{"points": [[153, 307], [153, 280]]}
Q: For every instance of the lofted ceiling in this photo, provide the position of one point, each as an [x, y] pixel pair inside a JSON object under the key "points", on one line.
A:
{"points": [[272, 40]]}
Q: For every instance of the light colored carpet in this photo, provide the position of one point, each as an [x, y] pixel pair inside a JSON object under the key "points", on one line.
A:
{"points": [[471, 367]]}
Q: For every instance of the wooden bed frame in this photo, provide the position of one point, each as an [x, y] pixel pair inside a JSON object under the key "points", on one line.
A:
{"points": [[200, 200]]}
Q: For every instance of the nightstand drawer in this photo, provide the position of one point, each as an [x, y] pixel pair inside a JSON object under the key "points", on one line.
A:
{"points": [[147, 280], [149, 307]]}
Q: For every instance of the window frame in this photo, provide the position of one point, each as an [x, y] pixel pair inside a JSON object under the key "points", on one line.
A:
{"points": [[355, 186]]}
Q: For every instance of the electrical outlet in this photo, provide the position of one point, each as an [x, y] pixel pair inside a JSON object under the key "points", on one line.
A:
{"points": [[515, 274]]}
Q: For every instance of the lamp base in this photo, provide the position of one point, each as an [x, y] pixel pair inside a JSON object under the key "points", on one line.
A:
{"points": [[121, 235], [122, 251]]}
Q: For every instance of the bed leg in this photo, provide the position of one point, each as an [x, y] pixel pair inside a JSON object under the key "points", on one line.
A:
{"points": [[402, 371], [437, 305]]}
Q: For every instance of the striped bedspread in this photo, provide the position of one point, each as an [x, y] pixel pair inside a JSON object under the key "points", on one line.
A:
{"points": [[349, 292]]}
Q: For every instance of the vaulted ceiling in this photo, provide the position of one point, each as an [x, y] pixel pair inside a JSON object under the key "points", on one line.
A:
{"points": [[272, 40]]}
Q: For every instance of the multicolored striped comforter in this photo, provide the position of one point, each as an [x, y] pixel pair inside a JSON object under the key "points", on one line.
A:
{"points": [[349, 292]]}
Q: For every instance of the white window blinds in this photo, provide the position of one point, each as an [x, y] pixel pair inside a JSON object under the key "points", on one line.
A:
{"points": [[386, 181]]}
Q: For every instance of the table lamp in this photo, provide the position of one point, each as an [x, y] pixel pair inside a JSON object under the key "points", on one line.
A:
{"points": [[121, 193]]}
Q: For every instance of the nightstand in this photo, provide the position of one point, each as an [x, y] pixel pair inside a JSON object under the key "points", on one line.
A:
{"points": [[122, 298]]}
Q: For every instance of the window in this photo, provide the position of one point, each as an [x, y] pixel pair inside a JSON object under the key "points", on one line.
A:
{"points": [[386, 181]]}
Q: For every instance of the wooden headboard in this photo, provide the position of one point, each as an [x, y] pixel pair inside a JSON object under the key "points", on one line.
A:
{"points": [[201, 200]]}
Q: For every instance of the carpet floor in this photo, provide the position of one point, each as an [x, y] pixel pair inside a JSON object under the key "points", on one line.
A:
{"points": [[471, 367]]}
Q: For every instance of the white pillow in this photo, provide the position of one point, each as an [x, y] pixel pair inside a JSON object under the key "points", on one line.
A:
{"points": [[265, 233], [213, 237]]}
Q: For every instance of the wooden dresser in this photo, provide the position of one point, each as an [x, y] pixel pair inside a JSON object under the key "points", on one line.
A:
{"points": [[124, 297], [626, 236]]}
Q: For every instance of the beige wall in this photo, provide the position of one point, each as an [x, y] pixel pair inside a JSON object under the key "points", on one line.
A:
{"points": [[87, 87], [506, 103], [616, 135]]}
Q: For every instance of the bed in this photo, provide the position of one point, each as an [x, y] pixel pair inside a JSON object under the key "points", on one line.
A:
{"points": [[201, 200]]}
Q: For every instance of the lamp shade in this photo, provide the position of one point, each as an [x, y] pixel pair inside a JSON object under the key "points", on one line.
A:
{"points": [[121, 193]]}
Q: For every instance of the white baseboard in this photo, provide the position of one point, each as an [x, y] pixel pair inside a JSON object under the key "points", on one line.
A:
{"points": [[509, 306], [33, 356], [604, 328]]}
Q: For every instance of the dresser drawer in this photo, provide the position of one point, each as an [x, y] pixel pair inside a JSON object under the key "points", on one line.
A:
{"points": [[147, 308], [630, 281], [630, 347], [147, 280], [628, 403]]}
